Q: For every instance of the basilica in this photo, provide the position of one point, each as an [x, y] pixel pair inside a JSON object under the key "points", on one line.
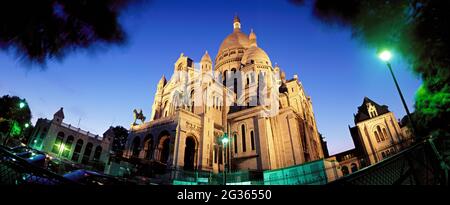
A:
{"points": [[236, 112]]}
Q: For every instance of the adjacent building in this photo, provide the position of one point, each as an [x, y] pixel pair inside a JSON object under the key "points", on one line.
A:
{"points": [[68, 142], [377, 134]]}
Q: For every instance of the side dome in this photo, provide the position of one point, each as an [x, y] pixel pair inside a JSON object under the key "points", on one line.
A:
{"points": [[254, 54]]}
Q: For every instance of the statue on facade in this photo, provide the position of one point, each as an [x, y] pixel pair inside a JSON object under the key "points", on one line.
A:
{"points": [[138, 115]]}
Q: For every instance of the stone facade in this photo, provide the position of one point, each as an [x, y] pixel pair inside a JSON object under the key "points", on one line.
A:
{"points": [[269, 120], [376, 135], [70, 143]]}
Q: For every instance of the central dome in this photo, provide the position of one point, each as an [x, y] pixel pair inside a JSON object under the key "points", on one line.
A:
{"points": [[237, 39]]}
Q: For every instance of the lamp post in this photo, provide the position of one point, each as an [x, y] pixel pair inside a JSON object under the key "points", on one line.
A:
{"points": [[224, 144], [386, 56]]}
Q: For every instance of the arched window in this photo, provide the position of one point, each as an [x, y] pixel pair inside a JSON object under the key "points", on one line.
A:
{"points": [[354, 167], [192, 101], [234, 80], [385, 133], [252, 140], [244, 146], [381, 134], [220, 155], [87, 153], [77, 150], [225, 78], [68, 146], [383, 154], [57, 146], [97, 153], [235, 144], [344, 170], [377, 136]]}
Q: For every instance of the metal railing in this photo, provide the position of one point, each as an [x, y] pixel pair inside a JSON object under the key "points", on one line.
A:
{"points": [[416, 165], [16, 170]]}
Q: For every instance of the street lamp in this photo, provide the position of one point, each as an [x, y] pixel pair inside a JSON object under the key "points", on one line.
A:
{"points": [[386, 57], [224, 143], [21, 104]]}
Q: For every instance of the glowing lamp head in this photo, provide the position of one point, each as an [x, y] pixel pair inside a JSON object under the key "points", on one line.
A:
{"points": [[21, 105], [27, 125], [225, 140], [385, 56]]}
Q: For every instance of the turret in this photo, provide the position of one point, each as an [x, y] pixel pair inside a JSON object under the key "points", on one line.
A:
{"points": [[58, 117], [206, 63]]}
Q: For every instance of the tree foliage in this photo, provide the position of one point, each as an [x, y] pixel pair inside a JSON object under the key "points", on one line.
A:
{"points": [[12, 117], [419, 31], [41, 30], [120, 139]]}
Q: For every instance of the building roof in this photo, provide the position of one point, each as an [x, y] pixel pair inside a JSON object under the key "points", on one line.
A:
{"points": [[363, 113], [206, 57], [237, 39], [59, 113]]}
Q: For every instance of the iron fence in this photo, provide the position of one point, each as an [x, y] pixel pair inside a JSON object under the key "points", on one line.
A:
{"points": [[416, 165], [16, 170]]}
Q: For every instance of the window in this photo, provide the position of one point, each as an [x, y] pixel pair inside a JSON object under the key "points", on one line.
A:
{"points": [[77, 150], [58, 143], [354, 167], [385, 133], [244, 149], [377, 136], [382, 137], [220, 155], [192, 101], [344, 170], [67, 146], [252, 138], [97, 153], [87, 153]]}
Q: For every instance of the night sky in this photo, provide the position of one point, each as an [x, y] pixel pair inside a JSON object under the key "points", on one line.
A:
{"points": [[102, 86]]}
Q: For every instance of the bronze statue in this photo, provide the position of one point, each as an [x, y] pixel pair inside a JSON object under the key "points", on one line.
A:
{"points": [[138, 115]]}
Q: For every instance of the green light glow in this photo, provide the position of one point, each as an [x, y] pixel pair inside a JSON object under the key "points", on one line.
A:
{"points": [[27, 125], [385, 55], [15, 129], [225, 140], [21, 105]]}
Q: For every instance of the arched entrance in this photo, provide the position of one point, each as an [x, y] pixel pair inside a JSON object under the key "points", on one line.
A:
{"points": [[189, 154], [165, 150], [148, 147], [136, 147], [345, 170]]}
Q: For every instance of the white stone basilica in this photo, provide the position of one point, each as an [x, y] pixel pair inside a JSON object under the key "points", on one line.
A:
{"points": [[269, 120]]}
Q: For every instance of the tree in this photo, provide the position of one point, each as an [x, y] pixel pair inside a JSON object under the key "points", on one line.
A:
{"points": [[15, 116], [419, 31], [41, 30], [120, 139]]}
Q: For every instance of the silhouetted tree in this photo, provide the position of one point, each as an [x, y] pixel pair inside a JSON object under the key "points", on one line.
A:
{"points": [[120, 139], [418, 30], [41, 30], [15, 114]]}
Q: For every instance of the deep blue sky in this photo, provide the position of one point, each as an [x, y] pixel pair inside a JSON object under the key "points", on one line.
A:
{"points": [[102, 87]]}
